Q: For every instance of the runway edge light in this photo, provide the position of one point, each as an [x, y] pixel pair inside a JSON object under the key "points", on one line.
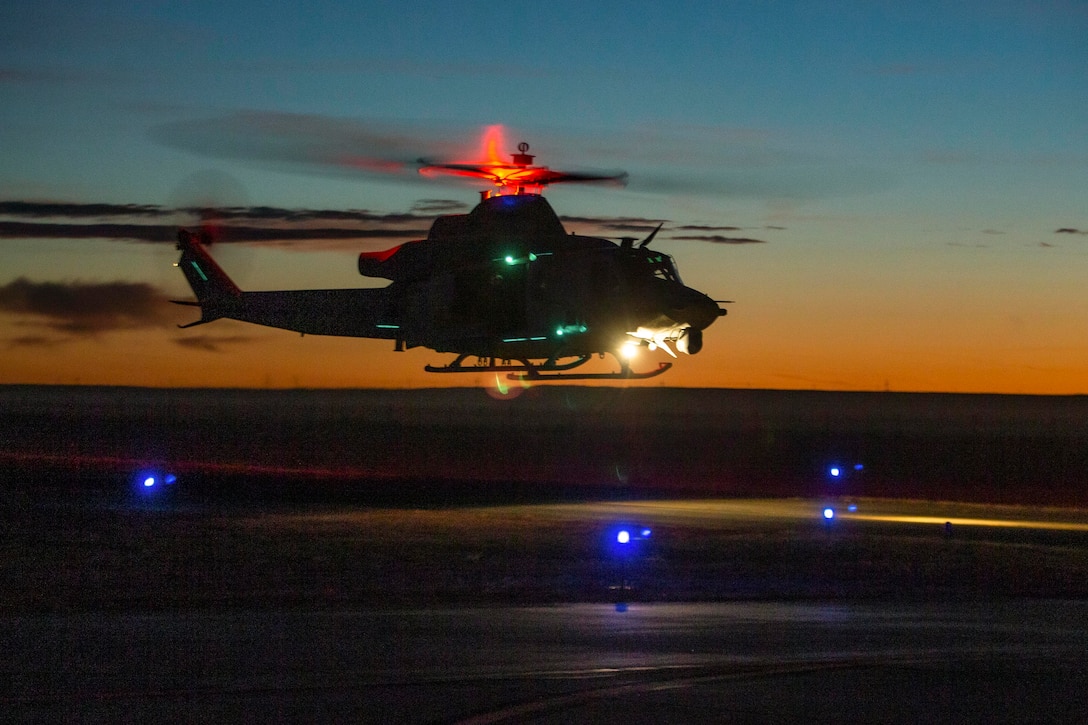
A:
{"points": [[149, 481]]}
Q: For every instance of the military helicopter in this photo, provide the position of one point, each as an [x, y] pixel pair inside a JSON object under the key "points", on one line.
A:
{"points": [[505, 288]]}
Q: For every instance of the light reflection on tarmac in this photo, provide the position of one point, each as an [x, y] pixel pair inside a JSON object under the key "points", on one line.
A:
{"points": [[715, 513], [770, 662]]}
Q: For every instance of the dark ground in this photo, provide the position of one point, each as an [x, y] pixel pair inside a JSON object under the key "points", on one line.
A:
{"points": [[613, 441], [335, 499], [414, 556]]}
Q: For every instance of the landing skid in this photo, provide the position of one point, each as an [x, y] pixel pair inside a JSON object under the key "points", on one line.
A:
{"points": [[625, 373], [548, 370]]}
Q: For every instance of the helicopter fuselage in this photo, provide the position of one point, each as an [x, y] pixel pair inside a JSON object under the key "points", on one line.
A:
{"points": [[503, 282], [507, 281]]}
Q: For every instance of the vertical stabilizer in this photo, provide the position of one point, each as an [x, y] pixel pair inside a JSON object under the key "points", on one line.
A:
{"points": [[215, 292]]}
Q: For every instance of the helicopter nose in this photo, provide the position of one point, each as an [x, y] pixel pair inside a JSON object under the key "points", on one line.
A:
{"points": [[694, 308]]}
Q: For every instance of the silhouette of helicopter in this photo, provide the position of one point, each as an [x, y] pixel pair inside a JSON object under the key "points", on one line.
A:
{"points": [[504, 286]]}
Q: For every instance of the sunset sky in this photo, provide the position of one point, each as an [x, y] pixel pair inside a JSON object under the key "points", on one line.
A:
{"points": [[894, 194]]}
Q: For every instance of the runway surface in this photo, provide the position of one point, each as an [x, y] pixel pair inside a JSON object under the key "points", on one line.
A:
{"points": [[1023, 661], [141, 635]]}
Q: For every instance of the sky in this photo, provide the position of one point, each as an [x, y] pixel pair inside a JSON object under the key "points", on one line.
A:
{"points": [[892, 194]]}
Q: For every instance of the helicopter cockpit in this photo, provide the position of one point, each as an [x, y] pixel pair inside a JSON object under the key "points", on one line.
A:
{"points": [[662, 265], [658, 263]]}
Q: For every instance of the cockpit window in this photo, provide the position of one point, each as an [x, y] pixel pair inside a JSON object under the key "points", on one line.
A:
{"points": [[662, 265]]}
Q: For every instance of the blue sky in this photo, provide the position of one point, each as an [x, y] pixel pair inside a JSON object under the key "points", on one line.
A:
{"points": [[913, 175]]}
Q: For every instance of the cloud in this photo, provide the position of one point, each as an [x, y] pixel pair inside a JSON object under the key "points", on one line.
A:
{"points": [[145, 223], [153, 224], [40, 341], [279, 214], [718, 239], [153, 233], [38, 209], [136, 232], [613, 222], [1069, 230], [705, 228], [439, 206], [139, 222], [211, 343], [86, 308], [629, 227], [47, 209]]}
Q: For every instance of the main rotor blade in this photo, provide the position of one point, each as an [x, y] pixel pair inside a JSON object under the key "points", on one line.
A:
{"points": [[316, 144], [702, 162], [646, 242]]}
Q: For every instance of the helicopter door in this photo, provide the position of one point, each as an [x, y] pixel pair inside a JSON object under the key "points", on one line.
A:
{"points": [[486, 300], [504, 299], [559, 293]]}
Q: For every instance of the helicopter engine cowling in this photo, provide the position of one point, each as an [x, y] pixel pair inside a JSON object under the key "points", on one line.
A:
{"points": [[691, 341]]}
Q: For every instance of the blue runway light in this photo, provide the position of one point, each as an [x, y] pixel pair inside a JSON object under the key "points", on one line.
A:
{"points": [[829, 513], [627, 540], [859, 467], [835, 471], [153, 481]]}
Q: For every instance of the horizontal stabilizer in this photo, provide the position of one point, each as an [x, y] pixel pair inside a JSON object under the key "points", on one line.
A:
{"points": [[198, 322], [205, 315]]}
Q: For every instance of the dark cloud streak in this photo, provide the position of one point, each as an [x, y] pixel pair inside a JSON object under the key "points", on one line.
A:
{"points": [[211, 343], [718, 239], [127, 222], [39, 210], [137, 232], [39, 341], [265, 223], [439, 206], [161, 233], [86, 308], [705, 228], [42, 209]]}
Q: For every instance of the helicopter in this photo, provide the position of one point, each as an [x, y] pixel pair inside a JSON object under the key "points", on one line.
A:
{"points": [[505, 288]]}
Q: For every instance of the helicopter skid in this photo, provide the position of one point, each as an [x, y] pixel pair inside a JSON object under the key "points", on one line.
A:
{"points": [[488, 365], [548, 370], [626, 373]]}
